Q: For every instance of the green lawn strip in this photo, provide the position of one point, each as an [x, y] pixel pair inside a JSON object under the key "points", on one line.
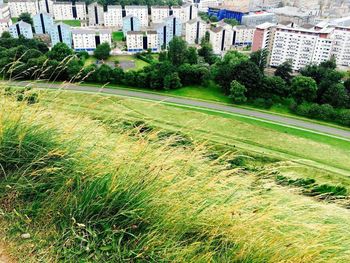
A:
{"points": [[298, 144], [74, 23]]}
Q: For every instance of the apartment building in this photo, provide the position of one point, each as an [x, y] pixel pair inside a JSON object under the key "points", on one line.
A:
{"points": [[264, 37], [341, 45], [139, 11], [242, 36], [45, 6], [89, 39], [221, 38], [203, 5], [131, 23], [69, 11], [138, 41], [185, 12], [258, 18], [4, 11], [95, 14], [61, 33], [113, 17], [18, 7], [21, 28], [195, 30], [43, 23], [300, 45], [5, 24], [159, 13]]}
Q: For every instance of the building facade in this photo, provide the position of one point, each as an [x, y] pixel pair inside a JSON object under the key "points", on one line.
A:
{"points": [[195, 30], [341, 45], [5, 25], [18, 7], [46, 6], [95, 14], [113, 17], [21, 28], [43, 23], [258, 18], [131, 23], [61, 33], [242, 36], [221, 39], [4, 11], [69, 11], [89, 39], [139, 11], [159, 13], [138, 41]]}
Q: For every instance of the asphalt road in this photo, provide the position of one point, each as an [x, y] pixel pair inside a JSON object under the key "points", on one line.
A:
{"points": [[196, 103]]}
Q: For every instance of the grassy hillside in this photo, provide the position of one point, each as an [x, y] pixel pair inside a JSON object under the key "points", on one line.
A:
{"points": [[109, 179]]}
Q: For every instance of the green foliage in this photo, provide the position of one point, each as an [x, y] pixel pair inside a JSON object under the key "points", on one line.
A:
{"points": [[60, 52], [304, 89], [259, 58], [172, 81], [231, 21], [177, 51], [192, 55], [102, 51], [285, 71], [26, 17], [206, 51], [237, 92]]}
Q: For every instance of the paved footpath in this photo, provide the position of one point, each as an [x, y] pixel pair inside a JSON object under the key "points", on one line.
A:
{"points": [[319, 128]]}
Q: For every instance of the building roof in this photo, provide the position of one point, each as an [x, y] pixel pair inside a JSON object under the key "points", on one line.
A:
{"points": [[136, 7], [62, 3], [79, 30], [195, 20], [217, 29], [151, 32], [135, 33], [265, 25], [160, 7], [24, 24]]}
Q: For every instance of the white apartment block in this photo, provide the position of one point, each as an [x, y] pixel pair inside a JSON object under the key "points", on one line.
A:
{"points": [[18, 7], [203, 5], [21, 28], [138, 41], [242, 36], [95, 14], [139, 11], [185, 12], [80, 9], [46, 6], [62, 11], [89, 39], [301, 46], [5, 25], [341, 45], [152, 40], [4, 11], [221, 39], [113, 17], [159, 13], [195, 30]]}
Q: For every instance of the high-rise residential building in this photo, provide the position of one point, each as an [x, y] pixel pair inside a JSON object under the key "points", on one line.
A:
{"points": [[185, 12], [61, 33], [46, 6], [195, 30], [95, 14], [167, 30], [242, 36], [341, 45], [79, 11], [4, 11], [203, 5], [131, 23], [5, 24], [113, 16], [138, 41], [264, 37], [69, 11], [18, 7], [21, 28], [221, 38], [43, 23], [139, 11], [88, 39], [159, 13]]}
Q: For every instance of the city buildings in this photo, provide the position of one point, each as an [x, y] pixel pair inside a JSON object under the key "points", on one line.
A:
{"points": [[85, 39], [295, 15], [185, 12], [113, 17], [138, 41], [159, 13], [139, 11], [4, 11], [172, 27], [258, 18], [69, 11], [21, 28], [220, 38], [242, 36], [95, 14], [46, 6], [341, 46], [5, 24], [195, 30], [43, 23], [131, 23], [18, 7], [61, 32], [222, 13]]}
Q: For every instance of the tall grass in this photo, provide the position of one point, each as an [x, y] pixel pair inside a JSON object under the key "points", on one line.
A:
{"points": [[105, 195]]}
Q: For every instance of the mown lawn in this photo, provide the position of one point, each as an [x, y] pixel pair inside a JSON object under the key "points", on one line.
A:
{"points": [[75, 23], [118, 36]]}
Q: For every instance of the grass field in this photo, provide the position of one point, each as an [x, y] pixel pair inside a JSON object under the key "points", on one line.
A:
{"points": [[75, 23], [110, 179], [139, 64], [117, 36]]}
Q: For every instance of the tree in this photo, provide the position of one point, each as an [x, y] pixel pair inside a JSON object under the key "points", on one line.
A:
{"points": [[60, 52], [206, 51], [275, 85], [260, 58], [192, 56], [213, 19], [177, 51], [249, 75], [231, 21], [285, 71], [104, 73], [304, 89], [26, 17], [5, 34], [162, 56], [347, 85], [172, 81], [336, 95], [102, 51], [237, 92]]}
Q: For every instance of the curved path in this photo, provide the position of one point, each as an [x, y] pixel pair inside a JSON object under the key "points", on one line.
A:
{"points": [[287, 121]]}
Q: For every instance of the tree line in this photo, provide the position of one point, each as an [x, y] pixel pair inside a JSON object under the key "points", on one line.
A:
{"points": [[319, 91]]}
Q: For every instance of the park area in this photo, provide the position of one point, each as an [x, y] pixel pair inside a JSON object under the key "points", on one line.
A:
{"points": [[126, 62]]}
